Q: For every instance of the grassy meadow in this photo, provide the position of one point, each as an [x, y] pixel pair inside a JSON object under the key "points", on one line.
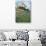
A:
{"points": [[22, 15]]}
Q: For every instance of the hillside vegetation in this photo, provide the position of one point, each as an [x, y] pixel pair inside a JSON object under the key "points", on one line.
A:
{"points": [[22, 15]]}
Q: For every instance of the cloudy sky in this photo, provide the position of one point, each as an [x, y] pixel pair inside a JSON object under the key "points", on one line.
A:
{"points": [[27, 2]]}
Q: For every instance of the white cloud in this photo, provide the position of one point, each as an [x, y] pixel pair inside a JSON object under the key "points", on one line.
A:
{"points": [[27, 3]]}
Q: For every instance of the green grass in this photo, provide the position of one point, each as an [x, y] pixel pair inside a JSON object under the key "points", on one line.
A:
{"points": [[22, 15]]}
